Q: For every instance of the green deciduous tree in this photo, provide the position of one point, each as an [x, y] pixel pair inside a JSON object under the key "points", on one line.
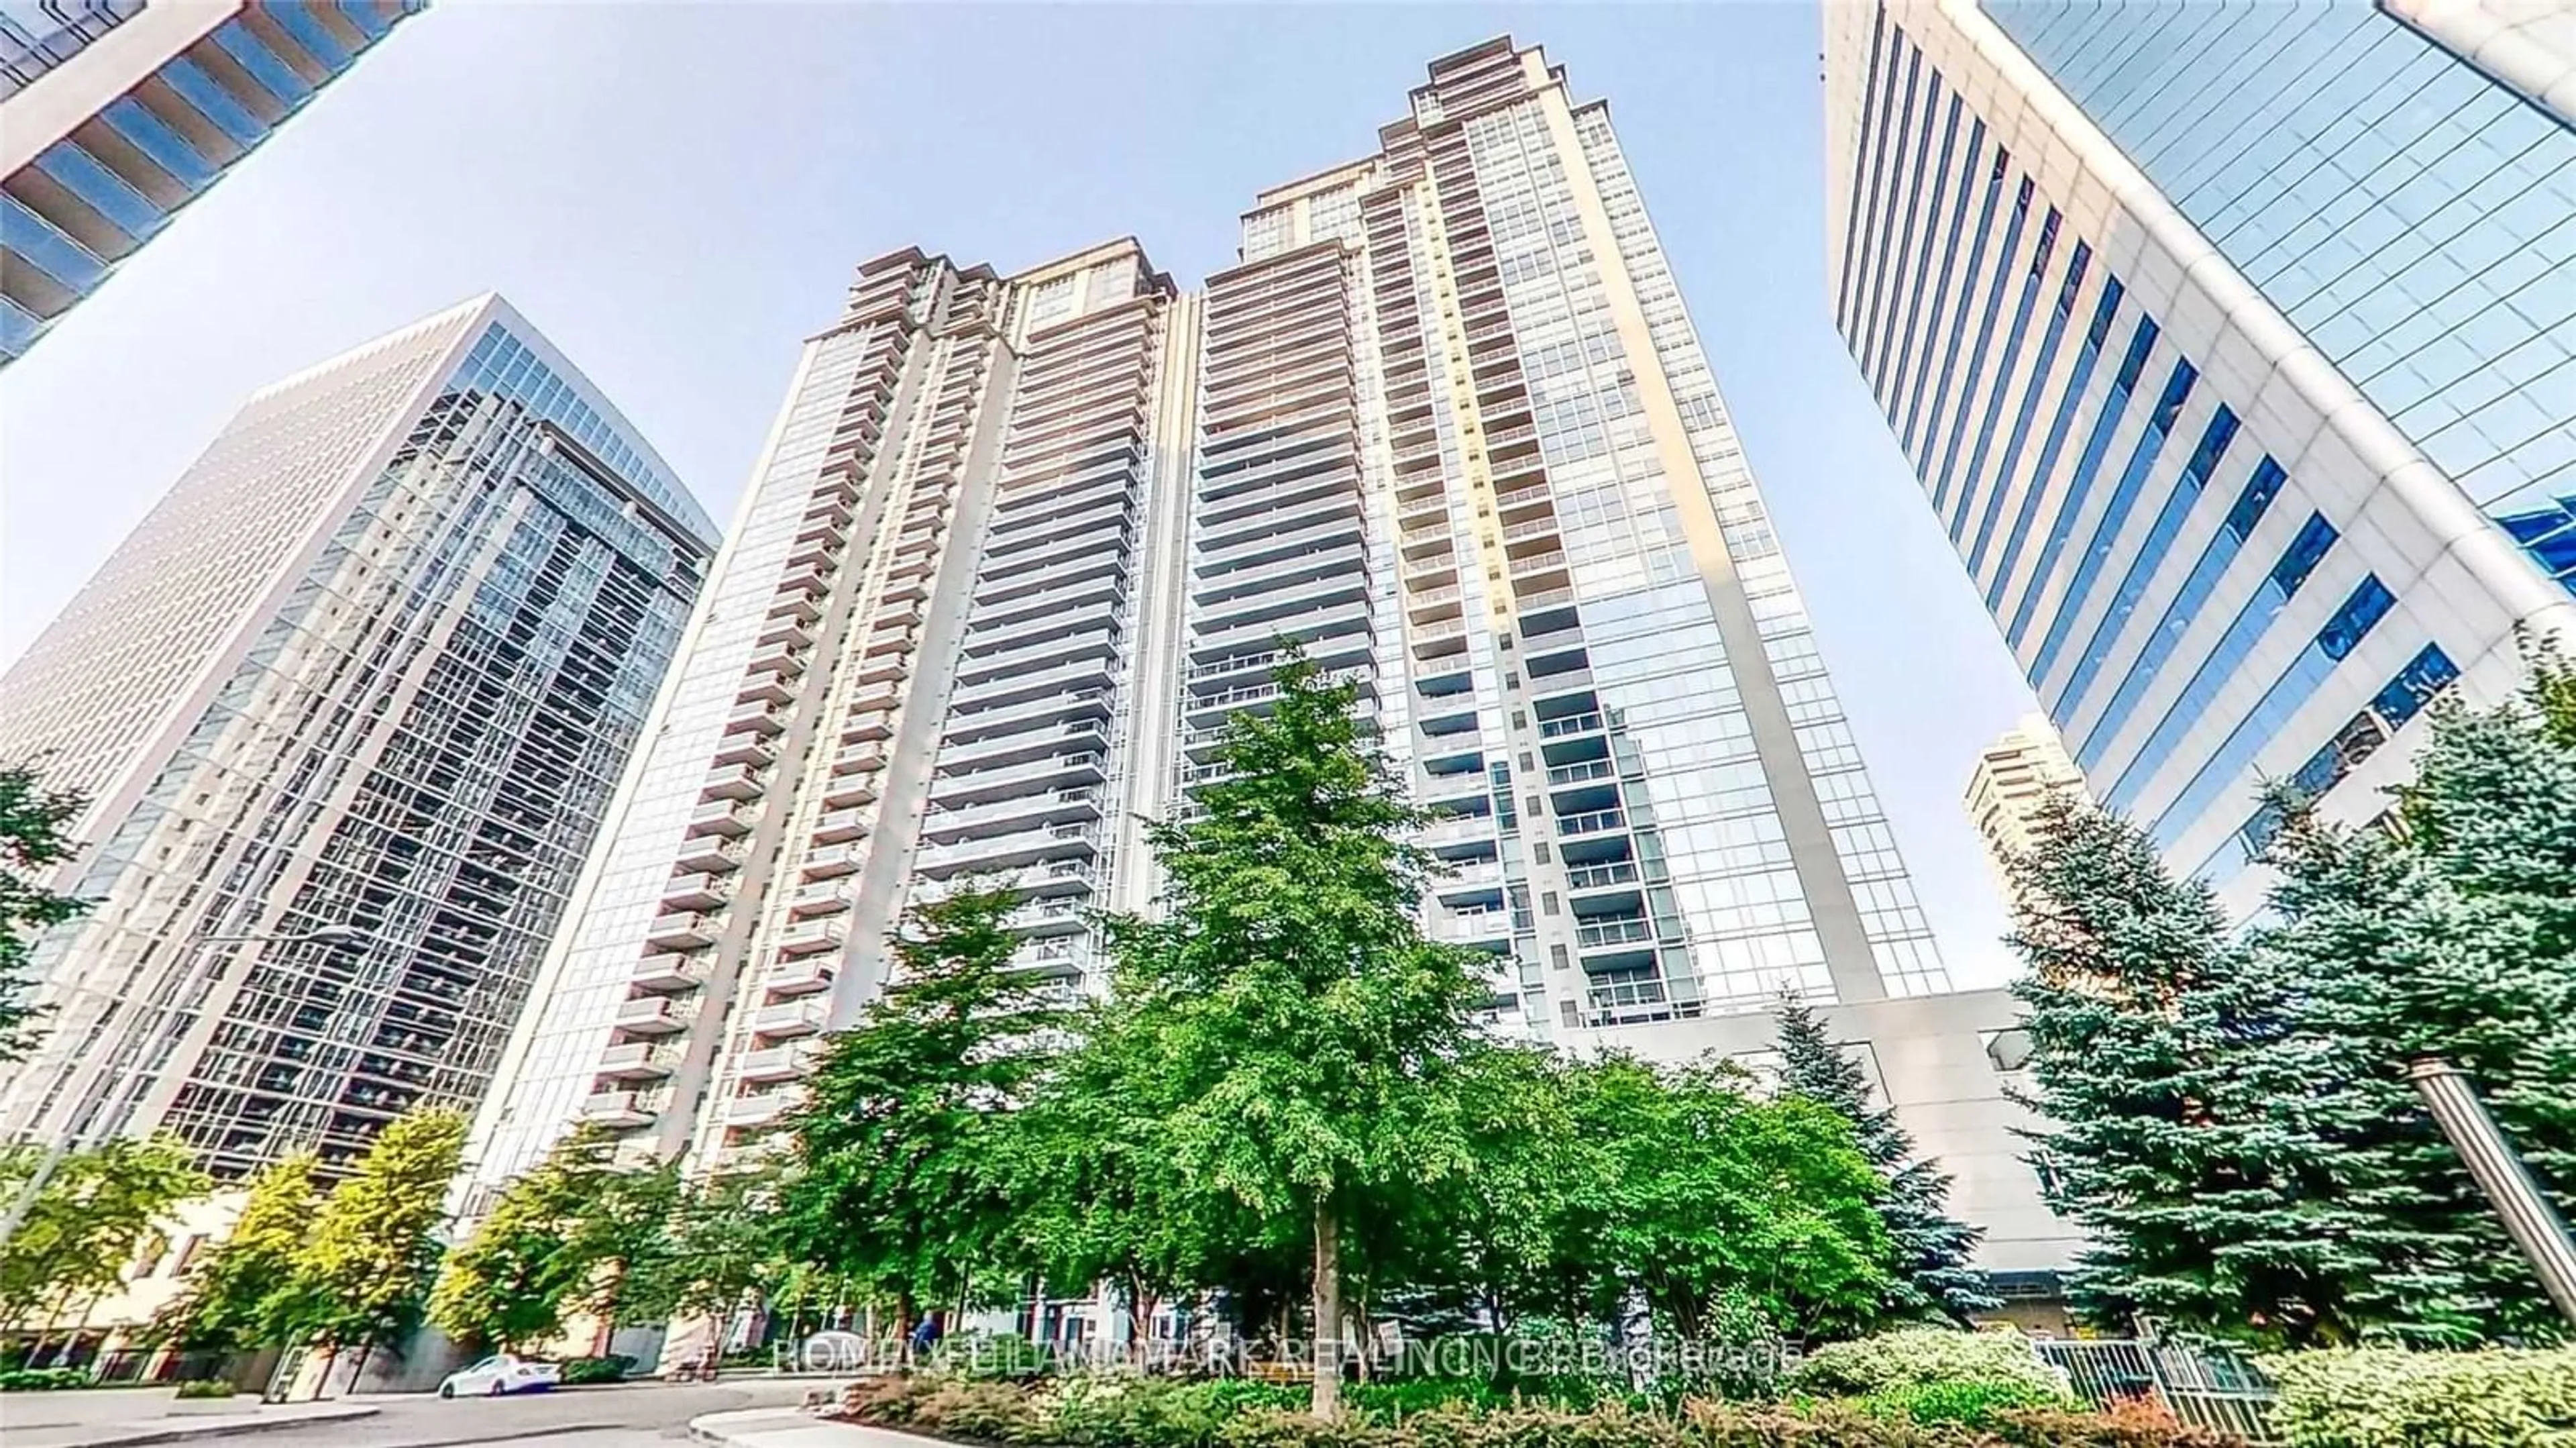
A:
{"points": [[1714, 1199], [35, 838], [369, 1265], [1308, 1029], [89, 1218], [241, 1293], [1930, 1247], [901, 1158], [506, 1284]]}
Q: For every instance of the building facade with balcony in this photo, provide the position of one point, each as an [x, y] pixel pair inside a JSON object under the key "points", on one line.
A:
{"points": [[114, 114], [2235, 345], [929, 652], [2008, 795], [1446, 427], [375, 661]]}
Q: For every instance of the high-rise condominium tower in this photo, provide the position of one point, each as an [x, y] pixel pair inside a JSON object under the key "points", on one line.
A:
{"points": [[1021, 545], [2235, 343], [2009, 790], [371, 668], [116, 113]]}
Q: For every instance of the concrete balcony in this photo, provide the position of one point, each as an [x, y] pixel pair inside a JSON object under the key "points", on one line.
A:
{"points": [[698, 890], [623, 1110], [789, 1020], [1458, 830], [767, 687], [1003, 852], [638, 1061], [760, 1111], [779, 1063], [848, 791], [684, 931], [800, 977], [734, 781], [1007, 815], [876, 725], [666, 971], [960, 791], [833, 861], [1473, 927], [841, 826], [654, 1016], [722, 817], [830, 898], [748, 750], [1058, 915], [756, 719], [787, 633], [712, 854], [1594, 822], [810, 936]]}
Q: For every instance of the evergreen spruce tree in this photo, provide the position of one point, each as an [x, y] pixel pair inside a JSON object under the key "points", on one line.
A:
{"points": [[2175, 1077], [2368, 932], [1931, 1247]]}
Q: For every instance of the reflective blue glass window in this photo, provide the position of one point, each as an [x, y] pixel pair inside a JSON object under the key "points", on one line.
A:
{"points": [[2094, 335], [2080, 484], [2360, 613], [1862, 222], [1959, 321], [2115, 512], [363, 14], [2014, 336], [18, 328], [1985, 334], [309, 32], [2059, 315], [2251, 504], [1969, 160], [2298, 561], [57, 255], [262, 63], [2548, 533], [2427, 675], [152, 136], [2151, 557], [213, 101], [106, 193], [1905, 175], [1907, 359]]}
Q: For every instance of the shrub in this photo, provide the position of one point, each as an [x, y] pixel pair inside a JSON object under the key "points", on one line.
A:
{"points": [[1916, 1357], [2392, 1398], [1005, 1356], [205, 1388], [1124, 1412], [610, 1369], [1973, 1404], [42, 1380], [2124, 1425]]}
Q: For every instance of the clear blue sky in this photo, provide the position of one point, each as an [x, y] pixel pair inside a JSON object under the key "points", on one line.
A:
{"points": [[676, 195]]}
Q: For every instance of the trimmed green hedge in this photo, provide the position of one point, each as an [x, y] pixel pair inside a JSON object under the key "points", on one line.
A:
{"points": [[2390, 1398], [42, 1380], [1124, 1412], [1926, 1357], [610, 1369], [206, 1388]]}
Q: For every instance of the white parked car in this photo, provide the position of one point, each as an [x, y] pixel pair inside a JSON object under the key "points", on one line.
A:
{"points": [[500, 1374]]}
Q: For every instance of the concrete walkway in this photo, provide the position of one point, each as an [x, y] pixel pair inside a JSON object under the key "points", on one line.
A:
{"points": [[789, 1428], [134, 1432]]}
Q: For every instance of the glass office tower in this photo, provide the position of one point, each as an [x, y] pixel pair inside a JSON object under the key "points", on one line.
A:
{"points": [[2235, 344], [116, 113], [373, 664], [1021, 545]]}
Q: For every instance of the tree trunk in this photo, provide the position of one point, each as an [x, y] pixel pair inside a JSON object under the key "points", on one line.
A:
{"points": [[1327, 1400]]}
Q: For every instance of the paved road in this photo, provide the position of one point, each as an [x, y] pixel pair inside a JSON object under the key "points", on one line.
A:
{"points": [[643, 1415]]}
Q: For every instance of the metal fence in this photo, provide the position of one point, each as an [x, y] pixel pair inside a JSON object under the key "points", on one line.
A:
{"points": [[2206, 1388]]}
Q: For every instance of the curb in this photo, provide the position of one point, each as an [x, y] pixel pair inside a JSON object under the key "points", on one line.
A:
{"points": [[217, 1428], [772, 1428]]}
